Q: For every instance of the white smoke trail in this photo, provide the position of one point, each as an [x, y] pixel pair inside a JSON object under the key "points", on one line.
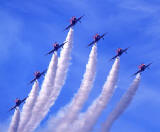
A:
{"points": [[122, 105], [39, 110], [15, 121], [28, 106], [63, 65], [47, 97], [79, 99], [89, 118]]}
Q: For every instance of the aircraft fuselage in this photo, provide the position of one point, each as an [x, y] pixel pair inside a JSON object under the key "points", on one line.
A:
{"points": [[18, 102], [38, 75]]}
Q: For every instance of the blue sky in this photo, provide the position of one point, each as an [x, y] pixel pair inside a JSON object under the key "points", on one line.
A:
{"points": [[28, 29]]}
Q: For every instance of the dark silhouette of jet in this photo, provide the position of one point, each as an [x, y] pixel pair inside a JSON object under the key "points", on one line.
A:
{"points": [[56, 47], [142, 68], [18, 103], [73, 22], [37, 75], [119, 51], [97, 37]]}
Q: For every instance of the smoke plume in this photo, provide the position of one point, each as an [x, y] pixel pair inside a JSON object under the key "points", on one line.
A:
{"points": [[15, 121], [87, 120], [72, 110], [28, 106], [122, 105], [39, 110], [52, 85]]}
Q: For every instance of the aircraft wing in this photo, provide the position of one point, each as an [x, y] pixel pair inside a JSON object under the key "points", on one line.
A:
{"points": [[80, 18], [42, 73], [52, 51], [91, 43], [103, 35], [68, 27], [32, 80], [73, 24], [12, 108], [148, 65], [114, 57], [24, 99], [62, 44], [136, 73], [125, 50]]}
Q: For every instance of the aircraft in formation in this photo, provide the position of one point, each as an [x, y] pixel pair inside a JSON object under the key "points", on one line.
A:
{"points": [[56, 47], [18, 103], [37, 75], [142, 68], [119, 51], [73, 22], [97, 37]]}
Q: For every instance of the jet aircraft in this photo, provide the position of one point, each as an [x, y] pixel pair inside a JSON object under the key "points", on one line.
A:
{"points": [[18, 103], [97, 37], [142, 68], [37, 75], [119, 51], [56, 47], [73, 22]]}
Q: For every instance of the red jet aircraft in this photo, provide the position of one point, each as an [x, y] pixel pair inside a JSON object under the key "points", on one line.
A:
{"points": [[142, 68], [96, 37], [73, 22], [18, 103], [37, 75], [120, 51], [56, 47]]}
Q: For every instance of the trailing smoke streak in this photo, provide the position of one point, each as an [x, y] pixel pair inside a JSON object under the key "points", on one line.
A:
{"points": [[79, 99], [15, 121], [122, 105], [55, 86], [39, 110], [28, 106], [63, 65], [87, 120]]}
